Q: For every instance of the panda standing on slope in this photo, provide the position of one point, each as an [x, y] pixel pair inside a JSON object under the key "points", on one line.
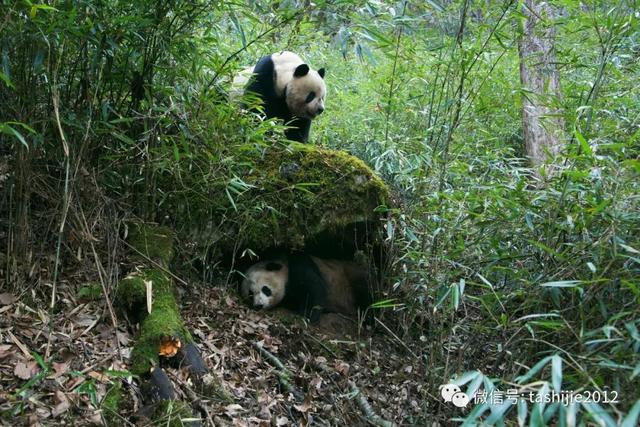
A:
{"points": [[290, 91]]}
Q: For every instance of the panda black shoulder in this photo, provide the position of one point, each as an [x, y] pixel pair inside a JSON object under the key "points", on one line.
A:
{"points": [[263, 84]]}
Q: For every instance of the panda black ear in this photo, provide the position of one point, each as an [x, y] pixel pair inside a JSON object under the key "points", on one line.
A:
{"points": [[273, 266], [321, 72], [301, 70]]}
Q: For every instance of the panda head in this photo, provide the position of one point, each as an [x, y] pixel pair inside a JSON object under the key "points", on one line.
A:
{"points": [[303, 88], [264, 284], [306, 91]]}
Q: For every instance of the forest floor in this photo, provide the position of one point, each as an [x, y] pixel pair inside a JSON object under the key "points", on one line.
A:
{"points": [[55, 369]]}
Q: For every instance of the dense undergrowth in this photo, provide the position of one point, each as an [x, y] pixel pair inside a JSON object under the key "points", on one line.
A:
{"points": [[505, 277]]}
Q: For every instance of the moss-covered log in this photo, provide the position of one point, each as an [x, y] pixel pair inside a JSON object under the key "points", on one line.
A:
{"points": [[151, 242], [147, 296], [162, 324]]}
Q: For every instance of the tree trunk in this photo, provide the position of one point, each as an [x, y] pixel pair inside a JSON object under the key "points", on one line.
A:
{"points": [[542, 123]]}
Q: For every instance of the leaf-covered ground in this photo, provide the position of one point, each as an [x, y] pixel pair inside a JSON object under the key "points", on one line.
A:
{"points": [[56, 369]]}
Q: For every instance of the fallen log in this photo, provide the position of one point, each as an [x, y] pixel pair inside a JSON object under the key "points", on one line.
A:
{"points": [[147, 297]]}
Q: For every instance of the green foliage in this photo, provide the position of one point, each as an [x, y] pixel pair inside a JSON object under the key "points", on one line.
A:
{"points": [[25, 389], [90, 292], [544, 270], [533, 282], [111, 404], [174, 413]]}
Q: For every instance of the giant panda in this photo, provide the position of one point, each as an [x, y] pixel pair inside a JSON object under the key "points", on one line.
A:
{"points": [[307, 285], [289, 90]]}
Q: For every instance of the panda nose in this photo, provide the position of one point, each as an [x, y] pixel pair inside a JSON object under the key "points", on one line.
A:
{"points": [[320, 110], [258, 306]]}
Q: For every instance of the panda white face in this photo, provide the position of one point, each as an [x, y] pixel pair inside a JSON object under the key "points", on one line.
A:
{"points": [[264, 284], [304, 88], [306, 92]]}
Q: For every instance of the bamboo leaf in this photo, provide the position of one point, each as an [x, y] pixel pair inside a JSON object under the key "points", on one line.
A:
{"points": [[533, 371], [599, 415], [466, 377], [6, 129], [562, 284], [522, 412], [498, 412], [455, 297], [556, 372], [631, 420], [474, 385], [6, 80], [584, 145]]}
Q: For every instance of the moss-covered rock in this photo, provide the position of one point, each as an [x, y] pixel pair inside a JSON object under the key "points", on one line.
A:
{"points": [[287, 196]]}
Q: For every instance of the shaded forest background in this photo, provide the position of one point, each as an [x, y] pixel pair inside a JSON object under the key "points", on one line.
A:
{"points": [[507, 274]]}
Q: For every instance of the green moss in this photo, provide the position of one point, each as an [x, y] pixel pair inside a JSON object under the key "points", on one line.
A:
{"points": [[152, 241], [90, 292], [163, 321], [294, 193], [132, 291], [110, 406]]}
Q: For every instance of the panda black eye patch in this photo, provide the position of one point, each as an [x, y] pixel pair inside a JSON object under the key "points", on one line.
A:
{"points": [[310, 97], [266, 291]]}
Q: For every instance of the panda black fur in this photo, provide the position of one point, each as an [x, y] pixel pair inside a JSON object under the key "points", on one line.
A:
{"points": [[308, 285], [289, 90]]}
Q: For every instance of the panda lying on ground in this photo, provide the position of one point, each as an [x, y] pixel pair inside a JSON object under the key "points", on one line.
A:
{"points": [[289, 90], [308, 285]]}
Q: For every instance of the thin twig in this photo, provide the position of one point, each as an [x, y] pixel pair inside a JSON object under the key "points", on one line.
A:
{"points": [[161, 267], [282, 372], [393, 78], [101, 274], [20, 345], [65, 199], [65, 205], [321, 344], [396, 337]]}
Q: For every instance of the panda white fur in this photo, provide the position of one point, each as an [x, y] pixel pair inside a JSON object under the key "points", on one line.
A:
{"points": [[289, 90], [308, 285]]}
